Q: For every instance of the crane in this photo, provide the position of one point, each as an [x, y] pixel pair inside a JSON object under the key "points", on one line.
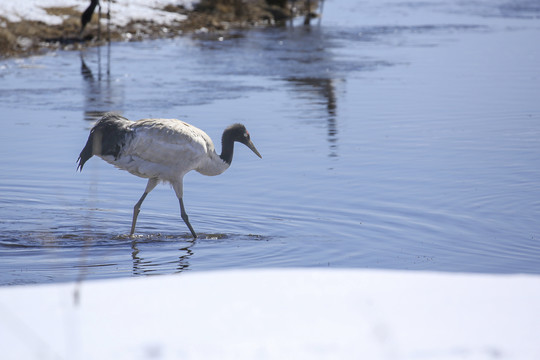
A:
{"points": [[161, 150], [86, 17], [87, 14]]}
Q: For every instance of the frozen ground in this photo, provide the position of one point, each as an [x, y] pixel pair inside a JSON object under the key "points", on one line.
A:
{"points": [[121, 11], [276, 314]]}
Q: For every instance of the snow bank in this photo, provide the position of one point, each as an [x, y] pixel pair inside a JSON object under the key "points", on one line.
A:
{"points": [[121, 11], [276, 314]]}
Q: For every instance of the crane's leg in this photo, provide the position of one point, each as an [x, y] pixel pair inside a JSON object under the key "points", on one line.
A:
{"points": [[186, 218], [179, 190], [149, 187]]}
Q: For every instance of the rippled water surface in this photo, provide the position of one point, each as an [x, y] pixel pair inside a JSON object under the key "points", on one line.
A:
{"points": [[395, 135]]}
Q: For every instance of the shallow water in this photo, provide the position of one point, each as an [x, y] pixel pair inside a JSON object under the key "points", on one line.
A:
{"points": [[396, 136]]}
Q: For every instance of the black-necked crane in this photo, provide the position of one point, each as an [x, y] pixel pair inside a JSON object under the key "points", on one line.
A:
{"points": [[87, 14], [161, 150], [86, 17]]}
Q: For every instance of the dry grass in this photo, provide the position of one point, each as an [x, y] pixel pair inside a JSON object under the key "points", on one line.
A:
{"points": [[70, 11]]}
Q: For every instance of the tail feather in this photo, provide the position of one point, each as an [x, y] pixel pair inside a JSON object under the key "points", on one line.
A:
{"points": [[107, 137]]}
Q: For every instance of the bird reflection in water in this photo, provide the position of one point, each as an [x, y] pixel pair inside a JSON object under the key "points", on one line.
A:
{"points": [[322, 90], [143, 266], [101, 92], [314, 75]]}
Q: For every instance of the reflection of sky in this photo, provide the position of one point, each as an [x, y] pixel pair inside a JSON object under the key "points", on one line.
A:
{"points": [[303, 52], [145, 262], [399, 12], [417, 149]]}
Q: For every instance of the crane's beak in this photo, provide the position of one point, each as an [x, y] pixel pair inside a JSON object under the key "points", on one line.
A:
{"points": [[253, 148]]}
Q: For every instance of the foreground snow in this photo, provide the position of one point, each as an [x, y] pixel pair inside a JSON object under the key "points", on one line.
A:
{"points": [[276, 314], [121, 11]]}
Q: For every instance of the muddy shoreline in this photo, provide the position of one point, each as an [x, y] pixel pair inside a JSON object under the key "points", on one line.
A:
{"points": [[26, 38]]}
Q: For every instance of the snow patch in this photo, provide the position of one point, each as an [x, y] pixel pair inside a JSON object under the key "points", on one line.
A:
{"points": [[276, 314], [122, 12]]}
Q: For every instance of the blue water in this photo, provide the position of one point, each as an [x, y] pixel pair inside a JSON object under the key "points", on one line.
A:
{"points": [[394, 135]]}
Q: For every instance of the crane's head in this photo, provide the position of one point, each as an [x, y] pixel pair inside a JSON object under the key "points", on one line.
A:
{"points": [[239, 133]]}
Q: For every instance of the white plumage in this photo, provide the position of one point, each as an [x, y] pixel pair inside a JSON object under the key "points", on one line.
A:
{"points": [[161, 150], [166, 149]]}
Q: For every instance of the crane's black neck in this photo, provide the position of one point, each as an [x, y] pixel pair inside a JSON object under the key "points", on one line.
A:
{"points": [[227, 146], [236, 132]]}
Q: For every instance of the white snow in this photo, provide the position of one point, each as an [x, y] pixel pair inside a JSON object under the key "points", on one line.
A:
{"points": [[122, 11], [276, 314]]}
